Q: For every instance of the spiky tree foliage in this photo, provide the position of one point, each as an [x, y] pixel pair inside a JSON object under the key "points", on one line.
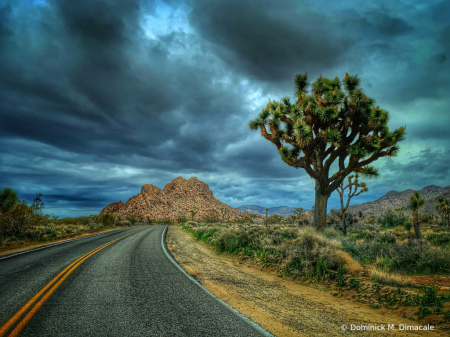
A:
{"points": [[8, 202], [415, 203], [443, 207], [299, 214], [193, 212], [334, 122], [353, 185], [400, 210]]}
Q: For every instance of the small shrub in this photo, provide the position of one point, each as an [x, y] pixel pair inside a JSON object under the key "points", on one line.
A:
{"points": [[107, 220], [424, 311], [321, 269], [332, 233], [391, 219], [446, 315], [340, 276], [123, 223], [288, 234], [439, 239], [181, 219], [353, 284], [408, 225], [387, 238], [132, 219], [430, 297]]}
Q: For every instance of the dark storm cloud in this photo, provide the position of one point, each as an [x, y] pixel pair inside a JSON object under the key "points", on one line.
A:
{"points": [[92, 105], [269, 40]]}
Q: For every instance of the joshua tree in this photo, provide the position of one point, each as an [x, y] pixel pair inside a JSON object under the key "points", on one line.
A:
{"points": [[400, 210], [415, 203], [443, 207], [352, 183], [193, 212], [299, 213], [8, 202], [329, 124]]}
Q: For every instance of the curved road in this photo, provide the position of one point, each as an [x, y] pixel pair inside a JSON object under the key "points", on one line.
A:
{"points": [[128, 288]]}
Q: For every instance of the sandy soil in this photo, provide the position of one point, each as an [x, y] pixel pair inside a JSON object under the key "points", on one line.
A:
{"points": [[281, 306]]}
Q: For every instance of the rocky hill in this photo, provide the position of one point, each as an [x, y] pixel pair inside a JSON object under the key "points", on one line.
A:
{"points": [[394, 199], [176, 199], [260, 210]]}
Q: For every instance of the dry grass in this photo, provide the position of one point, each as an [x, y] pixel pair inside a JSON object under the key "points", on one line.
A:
{"points": [[393, 280], [350, 265]]}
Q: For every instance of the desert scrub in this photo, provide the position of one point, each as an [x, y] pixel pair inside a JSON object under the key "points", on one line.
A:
{"points": [[442, 240], [332, 233], [412, 258], [310, 247], [294, 250]]}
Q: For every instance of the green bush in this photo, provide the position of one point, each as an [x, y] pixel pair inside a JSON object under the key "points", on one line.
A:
{"points": [[408, 225], [107, 220], [321, 269], [446, 315], [430, 297], [288, 234], [388, 238], [413, 258], [274, 219], [233, 242], [424, 311], [439, 239], [332, 233], [391, 219]]}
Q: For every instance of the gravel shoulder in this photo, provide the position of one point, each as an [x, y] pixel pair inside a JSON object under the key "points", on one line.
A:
{"points": [[281, 306]]}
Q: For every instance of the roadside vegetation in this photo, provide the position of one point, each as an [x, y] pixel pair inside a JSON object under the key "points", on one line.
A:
{"points": [[23, 224], [379, 262]]}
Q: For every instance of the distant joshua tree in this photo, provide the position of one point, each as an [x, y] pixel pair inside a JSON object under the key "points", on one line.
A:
{"points": [[299, 214], [193, 212], [352, 183], [8, 202], [443, 207], [330, 124], [415, 203]]}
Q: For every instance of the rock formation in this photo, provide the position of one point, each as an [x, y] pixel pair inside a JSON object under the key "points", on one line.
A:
{"points": [[176, 199]]}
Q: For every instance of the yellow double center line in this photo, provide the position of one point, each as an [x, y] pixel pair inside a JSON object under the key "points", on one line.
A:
{"points": [[54, 284]]}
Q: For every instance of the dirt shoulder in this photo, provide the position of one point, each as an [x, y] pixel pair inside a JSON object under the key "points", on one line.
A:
{"points": [[283, 307]]}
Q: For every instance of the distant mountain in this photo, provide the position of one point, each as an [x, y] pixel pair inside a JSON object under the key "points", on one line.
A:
{"points": [[394, 199], [260, 210]]}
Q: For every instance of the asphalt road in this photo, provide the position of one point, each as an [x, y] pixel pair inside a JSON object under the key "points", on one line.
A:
{"points": [[129, 288]]}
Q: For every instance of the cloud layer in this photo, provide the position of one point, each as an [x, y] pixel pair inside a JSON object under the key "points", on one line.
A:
{"points": [[98, 99]]}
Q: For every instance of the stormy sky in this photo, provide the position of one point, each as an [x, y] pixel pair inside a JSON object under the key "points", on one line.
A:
{"points": [[100, 97]]}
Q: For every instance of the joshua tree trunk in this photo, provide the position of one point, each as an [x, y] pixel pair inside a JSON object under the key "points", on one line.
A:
{"points": [[320, 209], [344, 225], [416, 224]]}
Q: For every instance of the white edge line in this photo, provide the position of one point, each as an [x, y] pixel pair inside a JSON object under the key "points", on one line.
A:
{"points": [[245, 318], [53, 244]]}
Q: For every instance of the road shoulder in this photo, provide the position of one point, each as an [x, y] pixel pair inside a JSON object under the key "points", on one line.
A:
{"points": [[282, 307]]}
